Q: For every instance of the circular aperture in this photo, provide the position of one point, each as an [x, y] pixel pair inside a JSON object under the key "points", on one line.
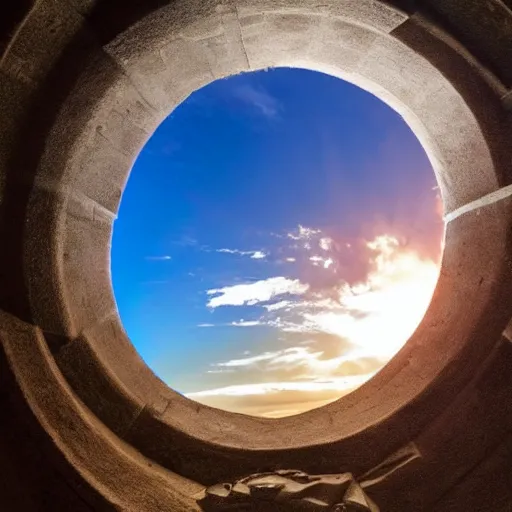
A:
{"points": [[105, 102], [278, 241]]}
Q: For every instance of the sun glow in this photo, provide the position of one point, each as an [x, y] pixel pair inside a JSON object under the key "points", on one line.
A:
{"points": [[392, 301]]}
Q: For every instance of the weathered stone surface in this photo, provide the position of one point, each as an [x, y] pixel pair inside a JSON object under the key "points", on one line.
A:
{"points": [[488, 485], [374, 15], [40, 40], [102, 392], [89, 448], [83, 83], [473, 22]]}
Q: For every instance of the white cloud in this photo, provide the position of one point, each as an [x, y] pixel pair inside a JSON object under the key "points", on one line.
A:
{"points": [[318, 260], [246, 323], [303, 233], [291, 260], [279, 358], [258, 255], [159, 258], [278, 305], [255, 255], [328, 262], [325, 243], [338, 384], [230, 251], [252, 293], [248, 361], [206, 325], [380, 314]]}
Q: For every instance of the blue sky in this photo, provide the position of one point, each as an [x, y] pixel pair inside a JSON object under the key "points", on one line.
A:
{"points": [[274, 229]]}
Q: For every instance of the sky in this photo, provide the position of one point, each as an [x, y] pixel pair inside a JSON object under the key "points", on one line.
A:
{"points": [[278, 241]]}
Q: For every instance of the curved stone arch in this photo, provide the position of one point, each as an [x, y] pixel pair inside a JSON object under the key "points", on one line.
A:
{"points": [[121, 93]]}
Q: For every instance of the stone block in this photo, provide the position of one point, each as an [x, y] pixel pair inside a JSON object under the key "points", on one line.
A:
{"points": [[468, 90], [458, 439], [42, 253], [98, 135], [102, 173], [489, 484], [13, 104], [97, 387], [440, 118], [85, 272], [369, 13], [473, 23], [109, 343], [326, 44], [83, 444], [40, 40]]}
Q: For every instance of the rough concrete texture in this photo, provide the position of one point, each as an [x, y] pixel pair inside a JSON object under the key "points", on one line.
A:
{"points": [[83, 84]]}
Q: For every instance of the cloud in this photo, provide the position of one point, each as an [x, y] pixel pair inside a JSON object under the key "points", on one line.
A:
{"points": [[253, 293], [303, 233], [236, 323], [276, 358], [260, 99], [278, 305], [316, 260], [264, 388], [320, 261], [246, 323], [328, 262], [291, 260], [279, 398], [159, 258], [325, 243], [258, 255], [380, 313], [255, 255]]}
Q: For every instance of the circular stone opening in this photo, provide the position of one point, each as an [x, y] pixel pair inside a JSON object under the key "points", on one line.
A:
{"points": [[278, 242], [101, 117]]}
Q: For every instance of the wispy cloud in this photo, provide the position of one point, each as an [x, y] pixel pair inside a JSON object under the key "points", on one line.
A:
{"points": [[258, 255], [253, 293], [303, 233], [325, 243], [159, 258], [260, 99], [278, 305], [320, 261], [236, 323], [279, 398], [338, 384], [255, 255], [246, 323]]}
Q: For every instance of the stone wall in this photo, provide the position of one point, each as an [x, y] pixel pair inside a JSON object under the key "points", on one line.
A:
{"points": [[85, 425]]}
